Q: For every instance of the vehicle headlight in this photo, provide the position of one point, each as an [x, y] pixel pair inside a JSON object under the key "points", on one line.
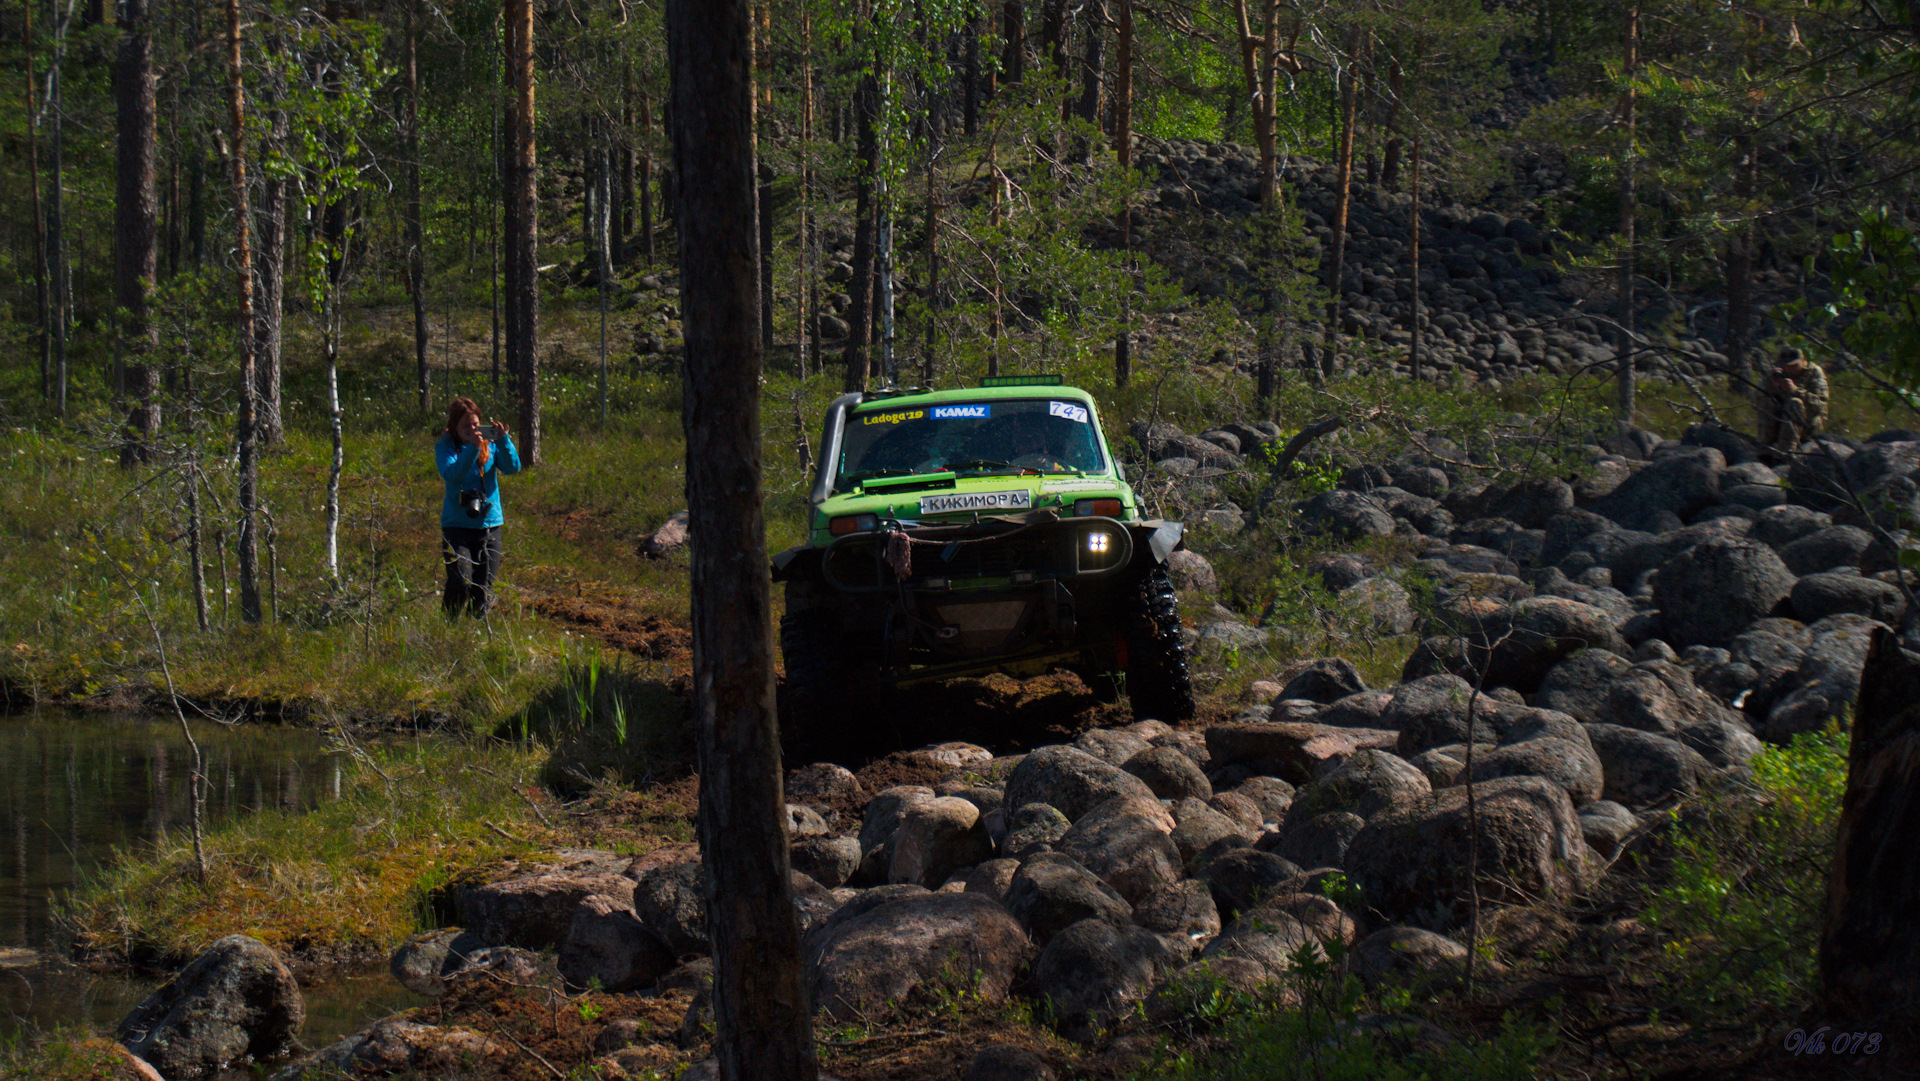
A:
{"points": [[1099, 543]]}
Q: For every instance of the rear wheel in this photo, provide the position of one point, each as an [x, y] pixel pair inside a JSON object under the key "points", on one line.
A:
{"points": [[1157, 679]]}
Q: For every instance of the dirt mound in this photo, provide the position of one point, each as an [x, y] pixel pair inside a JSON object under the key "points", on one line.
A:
{"points": [[619, 621]]}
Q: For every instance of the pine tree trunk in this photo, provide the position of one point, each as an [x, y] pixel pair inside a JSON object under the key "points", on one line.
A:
{"points": [[1416, 354], [1123, 153], [1628, 203], [762, 1019], [523, 295], [860, 311], [1869, 957], [1343, 194], [60, 296], [245, 433], [763, 67], [1093, 62], [646, 177], [135, 221], [41, 295], [1013, 32], [416, 237]]}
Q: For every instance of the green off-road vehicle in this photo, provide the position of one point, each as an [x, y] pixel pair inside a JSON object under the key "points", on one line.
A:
{"points": [[965, 532]]}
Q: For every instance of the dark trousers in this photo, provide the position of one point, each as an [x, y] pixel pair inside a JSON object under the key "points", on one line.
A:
{"points": [[473, 561]]}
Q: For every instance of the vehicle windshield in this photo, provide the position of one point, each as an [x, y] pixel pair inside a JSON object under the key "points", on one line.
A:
{"points": [[1030, 436]]}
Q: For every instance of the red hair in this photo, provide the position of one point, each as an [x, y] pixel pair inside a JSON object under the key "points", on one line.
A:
{"points": [[458, 410]]}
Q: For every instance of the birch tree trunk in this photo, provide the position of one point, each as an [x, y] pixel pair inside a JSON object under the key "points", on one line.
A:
{"points": [[245, 425]]}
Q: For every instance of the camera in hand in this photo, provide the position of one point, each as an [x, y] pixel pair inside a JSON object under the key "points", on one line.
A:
{"points": [[492, 433], [475, 506]]}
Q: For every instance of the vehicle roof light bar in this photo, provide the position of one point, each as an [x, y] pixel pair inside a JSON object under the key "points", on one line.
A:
{"points": [[1023, 381]]}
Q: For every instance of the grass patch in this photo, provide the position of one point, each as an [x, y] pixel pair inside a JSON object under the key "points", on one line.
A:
{"points": [[353, 877]]}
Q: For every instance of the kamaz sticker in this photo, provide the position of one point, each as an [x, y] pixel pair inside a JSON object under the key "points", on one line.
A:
{"points": [[894, 418], [964, 501], [1075, 413], [962, 412]]}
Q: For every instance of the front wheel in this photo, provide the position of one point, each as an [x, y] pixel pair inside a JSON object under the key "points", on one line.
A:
{"points": [[815, 689], [1157, 678]]}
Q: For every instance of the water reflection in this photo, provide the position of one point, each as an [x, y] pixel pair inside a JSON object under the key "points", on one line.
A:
{"points": [[74, 789]]}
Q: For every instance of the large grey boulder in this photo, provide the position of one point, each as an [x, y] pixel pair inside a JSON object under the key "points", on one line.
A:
{"points": [[1344, 514], [1170, 773], [1199, 827], [1660, 696], [830, 861], [1579, 685], [1095, 971], [1240, 877], [1125, 841], [1834, 546], [1182, 908], [1325, 680], [398, 1046], [235, 1003], [935, 838], [1052, 891], [1678, 486], [1645, 768], [532, 911], [1817, 596], [1711, 593], [1412, 861], [1827, 682], [422, 963], [1517, 645], [1317, 840], [1070, 780], [1542, 743], [1399, 953], [1270, 934], [1033, 827], [1778, 527], [1367, 782], [609, 948], [669, 897], [865, 966]]}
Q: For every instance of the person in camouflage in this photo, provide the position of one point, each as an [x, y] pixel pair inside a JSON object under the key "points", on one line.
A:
{"points": [[1796, 401]]}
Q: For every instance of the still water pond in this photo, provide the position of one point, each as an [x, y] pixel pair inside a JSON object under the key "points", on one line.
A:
{"points": [[74, 790]]}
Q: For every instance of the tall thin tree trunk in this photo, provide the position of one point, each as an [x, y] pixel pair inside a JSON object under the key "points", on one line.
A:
{"points": [[135, 219], [496, 209], [763, 67], [1628, 212], [523, 296], [1343, 193], [860, 311], [761, 1012], [1093, 62], [1739, 262], [244, 429], [646, 176], [1416, 354], [806, 338], [271, 273], [509, 200], [1123, 154], [970, 106], [61, 296], [1013, 33], [43, 309], [883, 238], [933, 271], [416, 238], [623, 224]]}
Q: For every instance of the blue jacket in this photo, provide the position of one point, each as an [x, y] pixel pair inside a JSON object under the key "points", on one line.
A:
{"points": [[460, 468]]}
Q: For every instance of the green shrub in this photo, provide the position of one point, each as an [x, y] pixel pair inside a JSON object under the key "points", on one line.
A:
{"points": [[1738, 901]]}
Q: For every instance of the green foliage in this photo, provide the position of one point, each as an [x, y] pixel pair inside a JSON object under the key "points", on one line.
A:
{"points": [[1875, 311], [1321, 1026], [1740, 891]]}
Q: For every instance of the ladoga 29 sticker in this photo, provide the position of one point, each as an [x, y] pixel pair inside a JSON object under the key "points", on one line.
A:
{"points": [[894, 418], [1075, 413]]}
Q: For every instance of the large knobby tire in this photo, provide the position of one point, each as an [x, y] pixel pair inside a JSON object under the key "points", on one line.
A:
{"points": [[814, 695], [1157, 679]]}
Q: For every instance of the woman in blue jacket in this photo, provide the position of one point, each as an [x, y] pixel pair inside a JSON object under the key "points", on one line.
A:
{"points": [[470, 517]]}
